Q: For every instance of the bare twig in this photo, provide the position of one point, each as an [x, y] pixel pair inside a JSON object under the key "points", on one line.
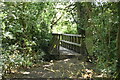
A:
{"points": [[56, 21]]}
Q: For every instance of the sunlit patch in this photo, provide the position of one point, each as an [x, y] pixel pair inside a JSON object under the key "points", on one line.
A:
{"points": [[51, 61], [71, 64], [25, 72], [101, 75], [66, 59], [14, 71], [49, 69], [87, 73], [57, 70], [46, 65], [50, 64]]}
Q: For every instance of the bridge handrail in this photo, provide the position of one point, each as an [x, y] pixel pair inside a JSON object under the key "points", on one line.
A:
{"points": [[71, 41], [76, 35]]}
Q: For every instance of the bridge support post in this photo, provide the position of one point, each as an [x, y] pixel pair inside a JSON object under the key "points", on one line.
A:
{"points": [[55, 45]]}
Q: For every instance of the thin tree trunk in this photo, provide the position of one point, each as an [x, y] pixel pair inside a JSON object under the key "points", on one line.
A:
{"points": [[118, 44]]}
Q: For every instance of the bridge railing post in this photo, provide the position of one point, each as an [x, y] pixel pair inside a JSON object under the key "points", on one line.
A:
{"points": [[55, 43]]}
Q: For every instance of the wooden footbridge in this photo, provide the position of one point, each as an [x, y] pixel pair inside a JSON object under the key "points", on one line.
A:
{"points": [[67, 44]]}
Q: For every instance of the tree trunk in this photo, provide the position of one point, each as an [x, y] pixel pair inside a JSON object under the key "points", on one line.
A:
{"points": [[81, 24], [80, 18], [118, 43], [88, 32]]}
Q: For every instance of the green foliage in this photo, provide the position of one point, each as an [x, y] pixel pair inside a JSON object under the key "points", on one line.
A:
{"points": [[104, 32], [66, 24], [26, 32]]}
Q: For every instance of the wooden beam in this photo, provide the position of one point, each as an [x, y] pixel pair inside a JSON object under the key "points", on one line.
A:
{"points": [[72, 43]]}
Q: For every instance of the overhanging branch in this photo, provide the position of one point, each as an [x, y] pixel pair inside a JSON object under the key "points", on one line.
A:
{"points": [[55, 22]]}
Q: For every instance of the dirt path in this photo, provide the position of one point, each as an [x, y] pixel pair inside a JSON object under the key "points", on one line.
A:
{"points": [[66, 68]]}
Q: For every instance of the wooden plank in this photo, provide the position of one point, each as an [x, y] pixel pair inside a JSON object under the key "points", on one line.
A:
{"points": [[68, 42], [72, 35], [56, 34], [65, 51]]}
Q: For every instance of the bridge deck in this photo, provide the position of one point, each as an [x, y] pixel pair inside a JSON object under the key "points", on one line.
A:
{"points": [[65, 51]]}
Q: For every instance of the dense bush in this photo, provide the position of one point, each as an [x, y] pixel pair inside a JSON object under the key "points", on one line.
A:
{"points": [[26, 33]]}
